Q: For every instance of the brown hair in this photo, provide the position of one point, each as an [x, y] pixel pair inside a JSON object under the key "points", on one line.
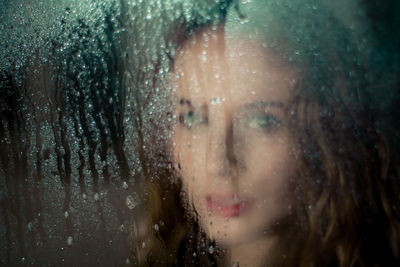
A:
{"points": [[347, 213]]}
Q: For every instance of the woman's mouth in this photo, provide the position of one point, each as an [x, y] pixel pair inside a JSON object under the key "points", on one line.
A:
{"points": [[228, 206]]}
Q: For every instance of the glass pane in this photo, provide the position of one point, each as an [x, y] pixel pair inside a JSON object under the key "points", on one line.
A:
{"points": [[180, 133]]}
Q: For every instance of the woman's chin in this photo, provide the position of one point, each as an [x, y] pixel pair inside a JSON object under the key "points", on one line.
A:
{"points": [[231, 231]]}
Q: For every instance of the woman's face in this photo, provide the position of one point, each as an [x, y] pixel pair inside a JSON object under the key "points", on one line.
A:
{"points": [[231, 143]]}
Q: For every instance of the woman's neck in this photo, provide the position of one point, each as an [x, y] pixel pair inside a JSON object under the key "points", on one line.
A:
{"points": [[253, 253]]}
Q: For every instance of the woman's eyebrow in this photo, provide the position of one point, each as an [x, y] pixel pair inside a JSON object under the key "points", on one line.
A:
{"points": [[184, 101]]}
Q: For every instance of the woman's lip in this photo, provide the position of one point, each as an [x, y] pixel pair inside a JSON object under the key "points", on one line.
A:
{"points": [[228, 206]]}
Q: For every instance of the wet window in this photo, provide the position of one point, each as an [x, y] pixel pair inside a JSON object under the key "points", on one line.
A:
{"points": [[199, 133]]}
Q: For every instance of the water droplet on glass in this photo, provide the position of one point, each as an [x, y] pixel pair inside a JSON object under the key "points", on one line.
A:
{"points": [[211, 250], [122, 227], [66, 214], [130, 202], [156, 227], [125, 185], [69, 240], [216, 100], [30, 226]]}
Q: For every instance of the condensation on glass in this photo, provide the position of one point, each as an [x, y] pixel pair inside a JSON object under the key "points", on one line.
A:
{"points": [[145, 131]]}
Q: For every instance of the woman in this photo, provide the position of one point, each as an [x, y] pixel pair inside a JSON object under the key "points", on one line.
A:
{"points": [[281, 157]]}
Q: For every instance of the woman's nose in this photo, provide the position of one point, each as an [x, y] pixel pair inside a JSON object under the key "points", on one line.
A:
{"points": [[221, 156]]}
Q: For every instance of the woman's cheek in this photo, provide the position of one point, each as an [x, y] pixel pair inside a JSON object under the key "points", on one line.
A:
{"points": [[193, 170], [270, 163]]}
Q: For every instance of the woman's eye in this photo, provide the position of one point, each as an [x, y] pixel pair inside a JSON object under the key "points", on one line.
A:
{"points": [[191, 119], [265, 122]]}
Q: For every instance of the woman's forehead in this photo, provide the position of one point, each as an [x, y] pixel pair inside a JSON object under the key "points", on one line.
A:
{"points": [[210, 65]]}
